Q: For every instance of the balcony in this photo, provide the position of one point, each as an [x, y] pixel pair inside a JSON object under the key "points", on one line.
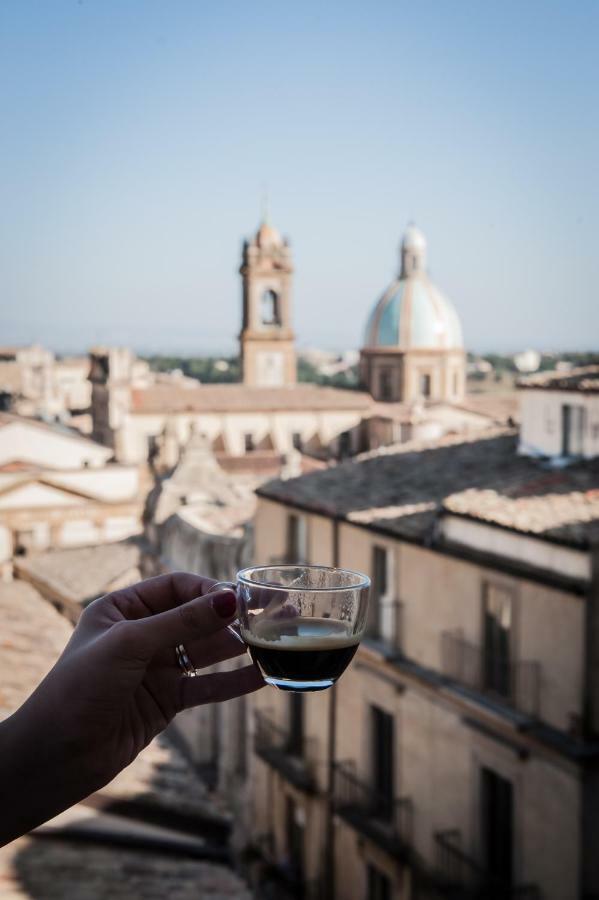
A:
{"points": [[460, 877], [384, 626], [280, 884], [385, 820], [293, 758], [276, 879], [515, 683]]}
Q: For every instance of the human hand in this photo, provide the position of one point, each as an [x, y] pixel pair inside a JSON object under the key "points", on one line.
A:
{"points": [[117, 684]]}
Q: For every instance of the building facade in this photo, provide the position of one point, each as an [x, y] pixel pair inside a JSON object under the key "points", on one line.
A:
{"points": [[33, 382], [561, 413], [199, 519], [60, 489], [459, 754], [413, 349]]}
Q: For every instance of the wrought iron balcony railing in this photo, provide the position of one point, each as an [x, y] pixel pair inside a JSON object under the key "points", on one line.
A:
{"points": [[293, 756], [382, 818], [516, 683], [460, 876], [277, 880]]}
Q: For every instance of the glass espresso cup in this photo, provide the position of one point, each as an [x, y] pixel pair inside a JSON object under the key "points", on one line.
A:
{"points": [[302, 624]]}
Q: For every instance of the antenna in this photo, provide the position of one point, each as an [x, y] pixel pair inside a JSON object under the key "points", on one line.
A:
{"points": [[265, 204]]}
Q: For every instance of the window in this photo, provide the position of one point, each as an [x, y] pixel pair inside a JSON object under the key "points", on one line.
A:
{"points": [[297, 539], [382, 756], [573, 422], [153, 447], [270, 309], [295, 838], [297, 441], [456, 384], [425, 385], [379, 569], [385, 384], [497, 640], [379, 886], [344, 444], [497, 826], [295, 741], [249, 443]]}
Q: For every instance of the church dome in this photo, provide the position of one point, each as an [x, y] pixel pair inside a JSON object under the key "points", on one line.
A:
{"points": [[412, 313]]}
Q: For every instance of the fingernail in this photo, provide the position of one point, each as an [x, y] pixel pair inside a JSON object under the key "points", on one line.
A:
{"points": [[224, 604]]}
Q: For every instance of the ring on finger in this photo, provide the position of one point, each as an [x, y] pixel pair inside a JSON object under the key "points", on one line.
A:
{"points": [[185, 664]]}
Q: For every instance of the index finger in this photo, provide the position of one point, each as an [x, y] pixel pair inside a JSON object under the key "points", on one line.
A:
{"points": [[159, 594]]}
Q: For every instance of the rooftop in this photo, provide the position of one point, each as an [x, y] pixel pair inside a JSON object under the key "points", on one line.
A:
{"points": [[267, 236], [84, 573], [402, 489], [7, 419], [202, 493], [33, 635], [240, 398], [584, 379], [488, 408], [501, 406], [63, 869]]}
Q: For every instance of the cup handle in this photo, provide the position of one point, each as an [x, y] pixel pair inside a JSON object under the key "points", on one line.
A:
{"points": [[234, 626]]}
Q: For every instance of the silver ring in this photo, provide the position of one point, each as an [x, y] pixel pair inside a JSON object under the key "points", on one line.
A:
{"points": [[184, 661]]}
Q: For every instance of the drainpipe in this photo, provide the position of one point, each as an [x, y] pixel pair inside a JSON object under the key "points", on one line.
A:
{"points": [[591, 668], [589, 864], [331, 752]]}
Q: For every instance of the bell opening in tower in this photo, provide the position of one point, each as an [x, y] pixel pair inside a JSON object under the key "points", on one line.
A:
{"points": [[270, 312]]}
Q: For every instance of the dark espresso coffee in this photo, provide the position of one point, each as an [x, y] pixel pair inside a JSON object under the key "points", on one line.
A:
{"points": [[301, 654]]}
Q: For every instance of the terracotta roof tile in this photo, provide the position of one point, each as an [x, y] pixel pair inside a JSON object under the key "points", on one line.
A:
{"points": [[83, 573], [584, 379], [403, 489], [64, 870], [500, 406], [240, 398], [33, 634]]}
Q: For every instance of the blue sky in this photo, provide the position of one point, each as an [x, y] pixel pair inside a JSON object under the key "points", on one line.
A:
{"points": [[138, 138]]}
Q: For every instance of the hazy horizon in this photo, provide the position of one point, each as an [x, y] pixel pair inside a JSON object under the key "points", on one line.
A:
{"points": [[233, 349], [139, 138]]}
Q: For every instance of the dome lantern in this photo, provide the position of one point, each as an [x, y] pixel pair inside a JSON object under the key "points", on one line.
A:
{"points": [[413, 251]]}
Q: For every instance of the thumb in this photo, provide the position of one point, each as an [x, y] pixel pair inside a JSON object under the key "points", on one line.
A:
{"points": [[198, 618]]}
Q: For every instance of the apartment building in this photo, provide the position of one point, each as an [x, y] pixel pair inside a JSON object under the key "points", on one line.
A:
{"points": [[459, 754]]}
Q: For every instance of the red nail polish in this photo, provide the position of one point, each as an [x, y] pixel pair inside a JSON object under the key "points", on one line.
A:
{"points": [[224, 604]]}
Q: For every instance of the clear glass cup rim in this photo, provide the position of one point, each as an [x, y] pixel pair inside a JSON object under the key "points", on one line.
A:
{"points": [[362, 581]]}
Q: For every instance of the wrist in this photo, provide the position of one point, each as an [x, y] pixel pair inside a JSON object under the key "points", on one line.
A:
{"points": [[41, 773]]}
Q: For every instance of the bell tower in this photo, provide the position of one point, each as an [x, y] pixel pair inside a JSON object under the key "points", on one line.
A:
{"points": [[267, 339]]}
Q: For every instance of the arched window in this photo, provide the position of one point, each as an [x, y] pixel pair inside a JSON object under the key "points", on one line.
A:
{"points": [[425, 384], [385, 384], [270, 312]]}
